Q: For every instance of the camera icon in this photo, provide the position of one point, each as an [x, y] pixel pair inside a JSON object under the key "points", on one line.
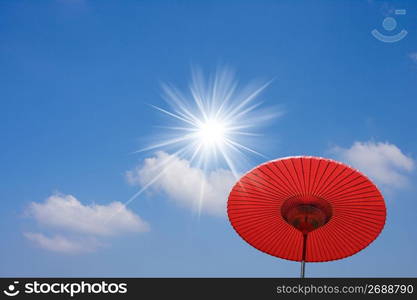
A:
{"points": [[389, 24], [11, 289]]}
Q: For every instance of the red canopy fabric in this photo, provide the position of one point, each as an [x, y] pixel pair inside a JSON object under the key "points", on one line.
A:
{"points": [[274, 205]]}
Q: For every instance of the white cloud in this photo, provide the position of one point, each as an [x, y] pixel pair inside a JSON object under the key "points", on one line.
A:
{"points": [[413, 57], [65, 214], [59, 243], [184, 184], [383, 162]]}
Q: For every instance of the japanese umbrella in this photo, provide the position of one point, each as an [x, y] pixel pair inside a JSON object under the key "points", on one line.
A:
{"points": [[306, 209]]}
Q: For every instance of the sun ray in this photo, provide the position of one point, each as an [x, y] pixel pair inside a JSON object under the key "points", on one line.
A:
{"points": [[236, 145], [181, 118], [245, 101], [166, 143]]}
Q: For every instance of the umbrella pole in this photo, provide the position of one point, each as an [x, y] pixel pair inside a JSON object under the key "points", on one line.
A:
{"points": [[303, 262]]}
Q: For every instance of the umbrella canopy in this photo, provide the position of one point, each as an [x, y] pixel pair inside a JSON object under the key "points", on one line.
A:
{"points": [[306, 209]]}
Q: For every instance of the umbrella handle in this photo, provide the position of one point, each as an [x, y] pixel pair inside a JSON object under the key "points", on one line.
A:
{"points": [[303, 262]]}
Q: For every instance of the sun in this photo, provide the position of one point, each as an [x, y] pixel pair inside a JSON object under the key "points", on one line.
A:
{"points": [[213, 124], [212, 133]]}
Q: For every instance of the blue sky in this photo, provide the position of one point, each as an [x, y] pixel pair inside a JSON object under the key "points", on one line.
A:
{"points": [[76, 81]]}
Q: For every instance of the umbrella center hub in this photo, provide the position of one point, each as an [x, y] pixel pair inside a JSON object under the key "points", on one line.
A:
{"points": [[306, 213]]}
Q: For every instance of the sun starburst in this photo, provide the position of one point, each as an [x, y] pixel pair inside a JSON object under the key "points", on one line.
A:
{"points": [[212, 119], [210, 126]]}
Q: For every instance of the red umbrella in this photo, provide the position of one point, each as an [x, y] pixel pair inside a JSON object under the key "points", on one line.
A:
{"points": [[307, 209]]}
